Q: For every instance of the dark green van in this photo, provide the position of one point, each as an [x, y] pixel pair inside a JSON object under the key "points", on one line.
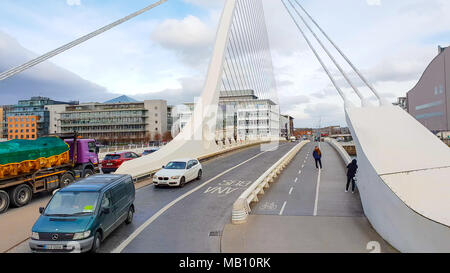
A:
{"points": [[79, 217]]}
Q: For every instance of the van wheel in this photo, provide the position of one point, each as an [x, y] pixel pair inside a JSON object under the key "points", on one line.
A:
{"points": [[4, 201], [200, 173], [97, 242], [182, 182], [65, 180], [87, 173], [129, 216], [21, 195]]}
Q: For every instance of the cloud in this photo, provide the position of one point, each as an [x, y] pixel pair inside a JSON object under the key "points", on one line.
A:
{"points": [[45, 79], [374, 2], [206, 3], [190, 38], [190, 88], [73, 2]]}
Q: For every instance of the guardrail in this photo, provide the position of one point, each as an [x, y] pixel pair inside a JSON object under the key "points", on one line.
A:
{"points": [[241, 207], [342, 152]]}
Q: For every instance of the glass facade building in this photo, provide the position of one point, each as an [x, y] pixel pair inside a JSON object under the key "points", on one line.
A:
{"points": [[34, 107]]}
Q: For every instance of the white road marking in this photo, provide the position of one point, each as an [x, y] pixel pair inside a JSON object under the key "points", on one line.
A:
{"points": [[296, 179], [282, 208], [290, 192], [125, 243], [299, 172], [303, 166], [316, 203]]}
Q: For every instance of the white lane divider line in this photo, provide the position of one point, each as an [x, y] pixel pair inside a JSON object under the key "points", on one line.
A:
{"points": [[303, 166], [299, 172], [316, 203], [282, 208], [136, 233], [290, 192], [296, 179]]}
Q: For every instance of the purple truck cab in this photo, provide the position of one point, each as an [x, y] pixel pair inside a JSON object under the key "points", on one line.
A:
{"points": [[87, 151]]}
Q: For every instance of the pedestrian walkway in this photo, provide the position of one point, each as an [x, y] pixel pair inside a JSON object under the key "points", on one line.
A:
{"points": [[307, 210]]}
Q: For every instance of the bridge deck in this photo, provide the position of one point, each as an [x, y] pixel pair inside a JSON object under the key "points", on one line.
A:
{"points": [[294, 217]]}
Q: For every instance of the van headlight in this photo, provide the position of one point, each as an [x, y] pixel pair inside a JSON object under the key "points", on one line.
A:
{"points": [[81, 235], [34, 235], [175, 177]]}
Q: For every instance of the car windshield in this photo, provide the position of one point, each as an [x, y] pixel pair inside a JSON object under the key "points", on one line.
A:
{"points": [[112, 157], [72, 203], [147, 152], [176, 166]]}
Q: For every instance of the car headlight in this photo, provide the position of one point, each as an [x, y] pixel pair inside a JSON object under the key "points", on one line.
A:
{"points": [[34, 235], [81, 235], [175, 177]]}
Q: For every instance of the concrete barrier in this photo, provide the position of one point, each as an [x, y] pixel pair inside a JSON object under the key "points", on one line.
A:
{"points": [[241, 207], [338, 147], [403, 182]]}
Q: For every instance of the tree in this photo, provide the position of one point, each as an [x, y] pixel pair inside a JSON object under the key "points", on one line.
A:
{"points": [[167, 136], [157, 137]]}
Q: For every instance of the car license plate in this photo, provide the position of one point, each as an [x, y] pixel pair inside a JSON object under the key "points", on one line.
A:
{"points": [[54, 247], [108, 164]]}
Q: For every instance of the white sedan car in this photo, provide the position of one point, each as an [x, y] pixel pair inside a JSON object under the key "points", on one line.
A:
{"points": [[178, 173]]}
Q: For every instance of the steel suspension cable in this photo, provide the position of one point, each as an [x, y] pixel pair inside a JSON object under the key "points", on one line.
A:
{"points": [[380, 98], [341, 93], [363, 100]]}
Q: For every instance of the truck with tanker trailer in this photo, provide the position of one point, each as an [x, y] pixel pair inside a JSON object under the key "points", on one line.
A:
{"points": [[28, 167]]}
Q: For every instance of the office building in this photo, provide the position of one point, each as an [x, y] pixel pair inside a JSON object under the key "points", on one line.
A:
{"points": [[55, 117], [34, 107], [429, 100], [117, 123], [286, 126], [402, 102], [241, 115], [2, 122]]}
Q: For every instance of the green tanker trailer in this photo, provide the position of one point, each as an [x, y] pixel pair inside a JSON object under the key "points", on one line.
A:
{"points": [[45, 164]]}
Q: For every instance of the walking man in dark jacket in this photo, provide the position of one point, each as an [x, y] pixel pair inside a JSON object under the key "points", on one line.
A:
{"points": [[352, 168], [318, 157]]}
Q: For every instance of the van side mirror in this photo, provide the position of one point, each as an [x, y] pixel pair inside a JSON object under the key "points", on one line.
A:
{"points": [[163, 167], [41, 210], [106, 210]]}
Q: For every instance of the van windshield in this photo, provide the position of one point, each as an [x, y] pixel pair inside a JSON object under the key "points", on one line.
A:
{"points": [[72, 204]]}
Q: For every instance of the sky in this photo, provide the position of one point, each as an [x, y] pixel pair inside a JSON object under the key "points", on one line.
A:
{"points": [[164, 53]]}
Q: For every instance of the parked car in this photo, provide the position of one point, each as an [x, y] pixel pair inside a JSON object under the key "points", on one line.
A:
{"points": [[178, 173], [112, 162], [150, 151], [79, 217]]}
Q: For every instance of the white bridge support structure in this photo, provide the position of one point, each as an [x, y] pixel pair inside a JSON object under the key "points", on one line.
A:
{"points": [[228, 70], [403, 178], [404, 170]]}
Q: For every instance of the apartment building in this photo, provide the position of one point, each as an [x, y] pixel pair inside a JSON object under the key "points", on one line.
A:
{"points": [[22, 127]]}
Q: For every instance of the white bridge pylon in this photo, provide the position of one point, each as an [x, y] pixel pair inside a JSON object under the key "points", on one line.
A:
{"points": [[404, 170], [240, 62]]}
